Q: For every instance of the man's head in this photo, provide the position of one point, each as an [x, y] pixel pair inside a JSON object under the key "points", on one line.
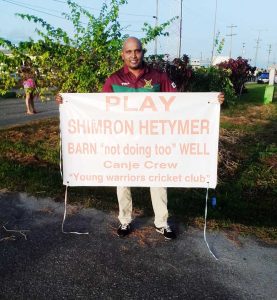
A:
{"points": [[132, 53]]}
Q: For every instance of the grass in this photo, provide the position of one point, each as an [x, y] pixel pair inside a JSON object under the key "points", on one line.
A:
{"points": [[247, 189], [254, 94]]}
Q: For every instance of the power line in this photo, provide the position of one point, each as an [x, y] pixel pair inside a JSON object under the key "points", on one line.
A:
{"points": [[31, 7], [97, 9], [28, 7], [44, 8], [52, 15]]}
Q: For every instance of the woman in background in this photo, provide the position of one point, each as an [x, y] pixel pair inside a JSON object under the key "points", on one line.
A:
{"points": [[29, 85]]}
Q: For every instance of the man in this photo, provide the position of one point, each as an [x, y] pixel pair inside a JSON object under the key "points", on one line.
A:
{"points": [[136, 76]]}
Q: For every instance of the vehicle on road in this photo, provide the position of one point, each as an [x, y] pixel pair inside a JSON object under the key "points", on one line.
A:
{"points": [[263, 78]]}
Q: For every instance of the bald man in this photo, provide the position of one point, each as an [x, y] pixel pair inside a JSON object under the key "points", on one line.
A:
{"points": [[136, 76]]}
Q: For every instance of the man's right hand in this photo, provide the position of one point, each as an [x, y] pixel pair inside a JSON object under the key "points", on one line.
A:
{"points": [[59, 99]]}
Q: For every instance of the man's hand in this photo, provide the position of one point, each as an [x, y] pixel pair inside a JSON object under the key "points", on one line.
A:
{"points": [[221, 98], [59, 99]]}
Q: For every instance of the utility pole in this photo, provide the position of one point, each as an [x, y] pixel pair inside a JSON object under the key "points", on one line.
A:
{"points": [[269, 51], [257, 47], [231, 37], [215, 15], [180, 32], [156, 17], [243, 50]]}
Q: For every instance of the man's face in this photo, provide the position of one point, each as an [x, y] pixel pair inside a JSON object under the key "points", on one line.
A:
{"points": [[132, 54]]}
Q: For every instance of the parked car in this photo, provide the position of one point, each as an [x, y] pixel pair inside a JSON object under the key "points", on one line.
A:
{"points": [[263, 78]]}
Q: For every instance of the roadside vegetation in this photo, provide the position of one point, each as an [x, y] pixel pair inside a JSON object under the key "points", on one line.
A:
{"points": [[79, 62]]}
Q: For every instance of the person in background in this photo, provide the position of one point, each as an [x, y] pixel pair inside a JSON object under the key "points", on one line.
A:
{"points": [[29, 86]]}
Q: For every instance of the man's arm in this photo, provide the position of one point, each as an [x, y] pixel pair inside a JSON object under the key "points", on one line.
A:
{"points": [[167, 85], [59, 99], [221, 98], [107, 87]]}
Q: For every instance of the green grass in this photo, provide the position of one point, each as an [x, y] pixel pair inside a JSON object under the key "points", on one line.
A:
{"points": [[247, 189], [254, 94]]}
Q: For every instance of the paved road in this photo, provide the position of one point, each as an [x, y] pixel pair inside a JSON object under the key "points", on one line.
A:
{"points": [[13, 111], [53, 265]]}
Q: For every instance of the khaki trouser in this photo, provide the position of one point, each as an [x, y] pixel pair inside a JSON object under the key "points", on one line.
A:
{"points": [[159, 203]]}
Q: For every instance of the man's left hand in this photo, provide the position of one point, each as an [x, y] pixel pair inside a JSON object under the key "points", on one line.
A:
{"points": [[221, 98]]}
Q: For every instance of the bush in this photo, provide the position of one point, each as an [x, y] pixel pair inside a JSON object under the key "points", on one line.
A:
{"points": [[178, 70], [8, 95], [240, 72], [71, 63], [213, 79]]}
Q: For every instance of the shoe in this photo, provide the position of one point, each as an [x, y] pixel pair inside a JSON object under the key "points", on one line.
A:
{"points": [[123, 230], [166, 232]]}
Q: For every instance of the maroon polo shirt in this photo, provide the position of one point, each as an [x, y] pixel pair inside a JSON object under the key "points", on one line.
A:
{"points": [[149, 80]]}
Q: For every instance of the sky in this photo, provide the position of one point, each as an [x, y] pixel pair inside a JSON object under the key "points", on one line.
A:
{"points": [[253, 24]]}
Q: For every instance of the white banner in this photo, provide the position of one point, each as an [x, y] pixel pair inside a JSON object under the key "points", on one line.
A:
{"points": [[140, 139]]}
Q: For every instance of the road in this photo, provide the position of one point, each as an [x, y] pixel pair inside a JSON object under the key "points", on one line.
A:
{"points": [[52, 265], [13, 111]]}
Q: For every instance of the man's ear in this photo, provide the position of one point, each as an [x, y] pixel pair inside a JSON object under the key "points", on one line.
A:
{"points": [[122, 56]]}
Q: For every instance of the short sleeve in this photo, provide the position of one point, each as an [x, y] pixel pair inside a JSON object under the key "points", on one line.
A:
{"points": [[166, 84], [107, 87]]}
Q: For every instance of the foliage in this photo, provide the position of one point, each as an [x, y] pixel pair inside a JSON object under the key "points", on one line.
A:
{"points": [[71, 64], [178, 70], [219, 44], [213, 79], [240, 70], [152, 32], [229, 77]]}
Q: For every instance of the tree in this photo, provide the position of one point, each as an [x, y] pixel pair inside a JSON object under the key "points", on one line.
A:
{"points": [[71, 64]]}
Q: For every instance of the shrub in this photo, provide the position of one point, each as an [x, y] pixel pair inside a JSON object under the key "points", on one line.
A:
{"points": [[78, 63], [240, 70], [178, 70], [213, 79]]}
